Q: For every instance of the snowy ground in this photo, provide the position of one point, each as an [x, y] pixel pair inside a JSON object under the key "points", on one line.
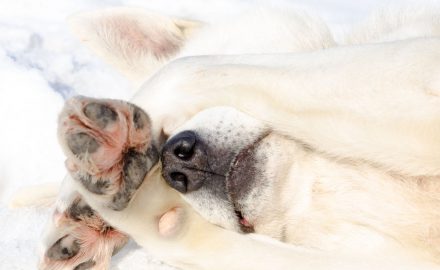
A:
{"points": [[41, 65]]}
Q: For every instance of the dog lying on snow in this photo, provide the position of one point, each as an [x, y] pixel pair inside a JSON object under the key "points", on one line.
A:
{"points": [[335, 152]]}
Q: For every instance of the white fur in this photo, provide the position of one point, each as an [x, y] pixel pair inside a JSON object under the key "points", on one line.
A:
{"points": [[135, 41], [379, 103], [391, 25], [42, 195]]}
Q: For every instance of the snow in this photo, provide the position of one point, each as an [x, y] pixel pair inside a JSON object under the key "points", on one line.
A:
{"points": [[41, 65]]}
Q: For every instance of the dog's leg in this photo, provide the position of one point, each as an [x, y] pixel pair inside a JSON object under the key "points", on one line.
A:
{"points": [[379, 103], [110, 154], [78, 238], [202, 245]]}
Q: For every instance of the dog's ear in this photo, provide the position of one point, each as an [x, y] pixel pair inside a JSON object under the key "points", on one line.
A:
{"points": [[135, 41]]}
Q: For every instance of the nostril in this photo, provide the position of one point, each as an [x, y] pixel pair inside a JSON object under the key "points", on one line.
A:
{"points": [[184, 150], [179, 181]]}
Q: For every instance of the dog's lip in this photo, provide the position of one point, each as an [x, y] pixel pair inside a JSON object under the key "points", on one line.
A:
{"points": [[244, 154], [241, 162]]}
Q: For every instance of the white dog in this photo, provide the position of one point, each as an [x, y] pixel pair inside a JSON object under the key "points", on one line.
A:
{"points": [[338, 153]]}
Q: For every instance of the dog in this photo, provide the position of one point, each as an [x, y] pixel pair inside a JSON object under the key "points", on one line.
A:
{"points": [[297, 162]]}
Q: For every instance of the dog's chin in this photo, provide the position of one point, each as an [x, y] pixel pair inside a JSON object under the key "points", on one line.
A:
{"points": [[244, 173]]}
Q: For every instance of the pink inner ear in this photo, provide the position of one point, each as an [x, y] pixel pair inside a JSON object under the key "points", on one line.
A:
{"points": [[136, 38]]}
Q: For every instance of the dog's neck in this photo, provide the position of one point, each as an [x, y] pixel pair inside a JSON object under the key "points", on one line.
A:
{"points": [[332, 203]]}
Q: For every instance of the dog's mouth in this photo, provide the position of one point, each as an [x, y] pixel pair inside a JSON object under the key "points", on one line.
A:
{"points": [[245, 225], [240, 179]]}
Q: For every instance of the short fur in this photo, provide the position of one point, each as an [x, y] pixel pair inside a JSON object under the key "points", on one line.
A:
{"points": [[368, 121]]}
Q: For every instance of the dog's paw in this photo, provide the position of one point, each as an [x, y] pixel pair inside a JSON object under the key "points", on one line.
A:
{"points": [[108, 146], [78, 238]]}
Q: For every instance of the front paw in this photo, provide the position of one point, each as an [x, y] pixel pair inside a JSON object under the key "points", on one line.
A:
{"points": [[108, 146], [78, 238]]}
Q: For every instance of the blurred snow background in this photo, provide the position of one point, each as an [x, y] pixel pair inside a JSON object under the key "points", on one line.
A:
{"points": [[41, 65]]}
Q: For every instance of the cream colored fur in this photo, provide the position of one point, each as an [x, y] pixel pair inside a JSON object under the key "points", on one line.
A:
{"points": [[374, 104], [136, 42], [391, 25], [41, 195]]}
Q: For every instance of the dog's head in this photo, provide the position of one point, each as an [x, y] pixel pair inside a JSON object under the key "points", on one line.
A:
{"points": [[226, 164], [138, 43]]}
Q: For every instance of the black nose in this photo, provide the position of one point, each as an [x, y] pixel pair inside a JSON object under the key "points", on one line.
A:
{"points": [[184, 162]]}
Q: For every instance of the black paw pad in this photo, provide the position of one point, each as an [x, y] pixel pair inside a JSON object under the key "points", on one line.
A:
{"points": [[136, 167], [100, 114], [99, 186], [81, 143], [140, 118], [63, 249], [85, 265]]}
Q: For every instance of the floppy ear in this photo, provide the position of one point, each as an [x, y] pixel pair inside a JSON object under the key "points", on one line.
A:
{"points": [[135, 41]]}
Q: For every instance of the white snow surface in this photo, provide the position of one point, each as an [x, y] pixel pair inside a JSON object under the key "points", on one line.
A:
{"points": [[41, 64]]}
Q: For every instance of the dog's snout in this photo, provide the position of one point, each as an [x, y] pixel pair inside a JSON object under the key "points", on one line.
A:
{"points": [[184, 162]]}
